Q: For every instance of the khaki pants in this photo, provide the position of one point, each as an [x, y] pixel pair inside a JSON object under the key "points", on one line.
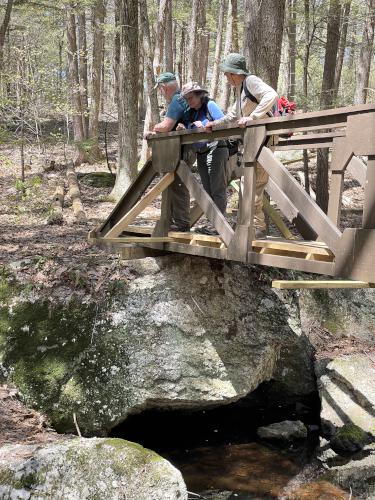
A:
{"points": [[261, 182]]}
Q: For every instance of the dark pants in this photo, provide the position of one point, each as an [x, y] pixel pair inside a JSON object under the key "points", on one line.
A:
{"points": [[212, 169]]}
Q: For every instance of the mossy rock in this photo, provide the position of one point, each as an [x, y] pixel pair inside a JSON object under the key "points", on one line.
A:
{"points": [[349, 439], [90, 469], [98, 179]]}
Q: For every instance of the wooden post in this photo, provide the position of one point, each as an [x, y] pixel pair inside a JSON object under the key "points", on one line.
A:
{"points": [[368, 221], [243, 236], [341, 156]]}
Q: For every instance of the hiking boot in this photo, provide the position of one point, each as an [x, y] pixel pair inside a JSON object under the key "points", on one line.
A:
{"points": [[210, 231], [260, 234], [179, 228]]}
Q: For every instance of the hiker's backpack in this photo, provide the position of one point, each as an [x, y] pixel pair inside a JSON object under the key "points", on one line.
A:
{"points": [[283, 107]]}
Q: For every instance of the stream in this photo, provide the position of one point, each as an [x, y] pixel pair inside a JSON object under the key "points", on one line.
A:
{"points": [[217, 450]]}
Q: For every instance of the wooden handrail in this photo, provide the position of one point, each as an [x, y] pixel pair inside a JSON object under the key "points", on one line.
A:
{"points": [[298, 120]]}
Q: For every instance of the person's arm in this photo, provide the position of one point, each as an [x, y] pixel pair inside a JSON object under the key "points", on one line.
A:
{"points": [[165, 126], [231, 116]]}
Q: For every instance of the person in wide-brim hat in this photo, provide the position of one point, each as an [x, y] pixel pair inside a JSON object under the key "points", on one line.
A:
{"points": [[254, 100], [190, 87], [234, 64]]}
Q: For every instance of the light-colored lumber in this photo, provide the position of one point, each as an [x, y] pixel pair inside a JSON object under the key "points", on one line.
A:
{"points": [[300, 246], [137, 239], [75, 194], [148, 198], [313, 284]]}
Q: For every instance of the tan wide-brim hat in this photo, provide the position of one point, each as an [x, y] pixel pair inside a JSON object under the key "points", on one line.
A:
{"points": [[190, 87]]}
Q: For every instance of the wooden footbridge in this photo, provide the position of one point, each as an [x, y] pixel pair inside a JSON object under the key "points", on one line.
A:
{"points": [[321, 247]]}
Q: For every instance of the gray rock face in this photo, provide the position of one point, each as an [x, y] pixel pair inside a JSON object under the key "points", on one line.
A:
{"points": [[356, 475], [181, 333], [80, 469], [347, 390], [289, 430]]}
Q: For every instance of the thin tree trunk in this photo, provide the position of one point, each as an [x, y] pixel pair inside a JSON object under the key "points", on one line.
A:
{"points": [[292, 36], [73, 75], [168, 39], [342, 47], [152, 112], [235, 46], [202, 48], [83, 78], [263, 33], [366, 55], [218, 48], [326, 98], [204, 58], [181, 62], [117, 47], [128, 97], [192, 59], [225, 89], [306, 58], [160, 31], [141, 77], [3, 30], [98, 17]]}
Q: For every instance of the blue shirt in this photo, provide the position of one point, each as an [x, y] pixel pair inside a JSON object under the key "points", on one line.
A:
{"points": [[178, 109], [200, 115]]}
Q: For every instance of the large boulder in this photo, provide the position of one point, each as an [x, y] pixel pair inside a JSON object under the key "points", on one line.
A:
{"points": [[180, 332], [79, 469]]}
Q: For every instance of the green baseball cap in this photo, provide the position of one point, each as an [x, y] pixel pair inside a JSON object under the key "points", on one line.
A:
{"points": [[234, 63], [165, 78]]}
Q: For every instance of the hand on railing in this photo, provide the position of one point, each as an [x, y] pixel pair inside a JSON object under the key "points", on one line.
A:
{"points": [[209, 126], [148, 134], [180, 126], [198, 124], [242, 122]]}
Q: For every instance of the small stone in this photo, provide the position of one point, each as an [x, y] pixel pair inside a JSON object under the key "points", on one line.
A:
{"points": [[288, 430]]}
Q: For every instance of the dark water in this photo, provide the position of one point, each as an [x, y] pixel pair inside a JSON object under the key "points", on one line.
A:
{"points": [[217, 450]]}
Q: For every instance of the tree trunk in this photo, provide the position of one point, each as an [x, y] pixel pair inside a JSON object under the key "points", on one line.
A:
{"points": [[203, 42], [152, 112], [342, 47], [218, 47], [83, 79], [306, 58], [326, 97], [128, 97], [74, 84], [160, 31], [141, 76], [117, 47], [3, 30], [292, 36], [98, 17], [225, 89], [168, 39], [366, 55], [263, 38], [192, 56]]}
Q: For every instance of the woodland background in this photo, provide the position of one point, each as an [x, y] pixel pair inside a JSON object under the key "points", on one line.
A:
{"points": [[72, 71]]}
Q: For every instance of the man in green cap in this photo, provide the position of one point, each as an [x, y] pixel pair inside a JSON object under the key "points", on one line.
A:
{"points": [[177, 112], [254, 100]]}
